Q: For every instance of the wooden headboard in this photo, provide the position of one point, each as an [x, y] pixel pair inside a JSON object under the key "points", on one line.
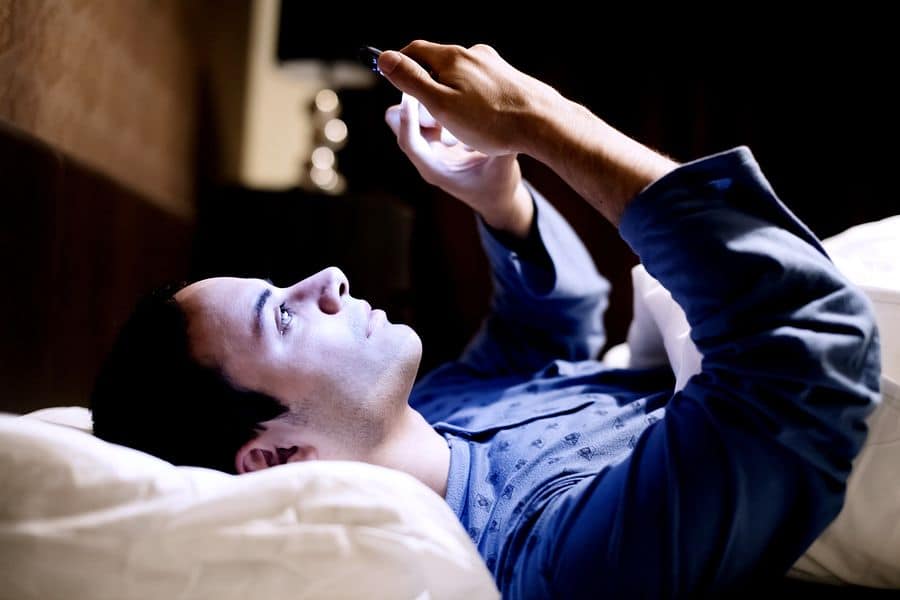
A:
{"points": [[97, 130], [76, 250]]}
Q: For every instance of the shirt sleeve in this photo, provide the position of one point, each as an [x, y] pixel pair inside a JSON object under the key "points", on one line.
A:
{"points": [[548, 299], [749, 464]]}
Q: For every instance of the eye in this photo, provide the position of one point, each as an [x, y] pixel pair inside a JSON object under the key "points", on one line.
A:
{"points": [[285, 317]]}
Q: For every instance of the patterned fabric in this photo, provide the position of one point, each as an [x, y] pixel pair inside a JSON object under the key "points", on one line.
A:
{"points": [[574, 479]]}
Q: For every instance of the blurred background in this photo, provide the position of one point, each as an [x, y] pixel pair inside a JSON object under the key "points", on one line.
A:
{"points": [[144, 141]]}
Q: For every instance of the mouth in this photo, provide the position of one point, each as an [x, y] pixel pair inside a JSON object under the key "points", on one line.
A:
{"points": [[375, 319]]}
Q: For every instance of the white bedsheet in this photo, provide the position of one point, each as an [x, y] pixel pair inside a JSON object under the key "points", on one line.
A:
{"points": [[81, 518]]}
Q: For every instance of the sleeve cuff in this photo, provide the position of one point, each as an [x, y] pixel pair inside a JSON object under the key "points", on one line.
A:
{"points": [[675, 194], [527, 257]]}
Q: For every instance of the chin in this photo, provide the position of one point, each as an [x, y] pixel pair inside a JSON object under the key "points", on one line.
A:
{"points": [[409, 341], [405, 346], [390, 368]]}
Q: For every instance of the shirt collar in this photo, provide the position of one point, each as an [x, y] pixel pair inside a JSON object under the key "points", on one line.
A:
{"points": [[458, 477]]}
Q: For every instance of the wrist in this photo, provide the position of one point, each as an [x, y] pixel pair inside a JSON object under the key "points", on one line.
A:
{"points": [[605, 166], [514, 216], [540, 123]]}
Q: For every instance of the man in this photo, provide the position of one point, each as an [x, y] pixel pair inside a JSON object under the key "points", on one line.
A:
{"points": [[573, 479]]}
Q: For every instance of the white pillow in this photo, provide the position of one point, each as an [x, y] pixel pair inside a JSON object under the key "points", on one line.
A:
{"points": [[862, 546], [869, 255], [83, 518]]}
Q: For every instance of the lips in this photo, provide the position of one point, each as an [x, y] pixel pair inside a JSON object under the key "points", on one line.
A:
{"points": [[377, 318]]}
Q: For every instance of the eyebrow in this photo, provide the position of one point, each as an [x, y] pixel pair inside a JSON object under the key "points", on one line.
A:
{"points": [[260, 303]]}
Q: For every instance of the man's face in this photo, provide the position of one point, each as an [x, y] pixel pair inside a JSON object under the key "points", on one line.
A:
{"points": [[341, 367]]}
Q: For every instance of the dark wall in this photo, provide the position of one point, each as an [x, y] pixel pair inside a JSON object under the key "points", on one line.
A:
{"points": [[76, 251], [97, 124], [812, 105]]}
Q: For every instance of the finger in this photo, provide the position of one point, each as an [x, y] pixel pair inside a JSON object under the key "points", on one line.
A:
{"points": [[392, 118], [409, 135], [483, 49], [430, 55], [425, 117], [447, 138], [410, 77], [431, 134]]}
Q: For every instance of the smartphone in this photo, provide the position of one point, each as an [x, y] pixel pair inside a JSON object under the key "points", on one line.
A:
{"points": [[369, 57]]}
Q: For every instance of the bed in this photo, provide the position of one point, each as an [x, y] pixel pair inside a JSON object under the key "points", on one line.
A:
{"points": [[81, 518]]}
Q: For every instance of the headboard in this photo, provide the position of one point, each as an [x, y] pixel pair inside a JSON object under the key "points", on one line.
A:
{"points": [[76, 250]]}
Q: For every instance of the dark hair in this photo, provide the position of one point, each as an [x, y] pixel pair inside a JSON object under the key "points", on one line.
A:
{"points": [[152, 394]]}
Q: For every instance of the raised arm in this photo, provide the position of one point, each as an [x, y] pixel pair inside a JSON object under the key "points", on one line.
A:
{"points": [[750, 462], [491, 106], [548, 298]]}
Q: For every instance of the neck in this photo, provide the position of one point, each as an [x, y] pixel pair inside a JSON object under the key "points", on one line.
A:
{"points": [[417, 449]]}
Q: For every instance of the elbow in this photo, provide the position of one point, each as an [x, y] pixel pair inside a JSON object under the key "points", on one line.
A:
{"points": [[853, 365], [856, 359]]}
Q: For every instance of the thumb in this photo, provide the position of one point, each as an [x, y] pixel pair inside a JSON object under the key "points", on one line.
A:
{"points": [[392, 118], [407, 75]]}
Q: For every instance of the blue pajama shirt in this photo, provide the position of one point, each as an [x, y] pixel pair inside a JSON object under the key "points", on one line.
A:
{"points": [[579, 480]]}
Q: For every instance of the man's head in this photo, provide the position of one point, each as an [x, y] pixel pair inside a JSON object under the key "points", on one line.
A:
{"points": [[238, 374]]}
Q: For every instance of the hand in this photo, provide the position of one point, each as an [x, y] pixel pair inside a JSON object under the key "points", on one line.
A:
{"points": [[498, 110], [485, 101], [491, 185]]}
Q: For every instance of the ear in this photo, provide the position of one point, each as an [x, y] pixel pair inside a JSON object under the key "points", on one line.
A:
{"points": [[264, 451]]}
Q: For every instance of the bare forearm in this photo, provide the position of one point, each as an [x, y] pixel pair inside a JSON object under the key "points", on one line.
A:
{"points": [[514, 217], [603, 165]]}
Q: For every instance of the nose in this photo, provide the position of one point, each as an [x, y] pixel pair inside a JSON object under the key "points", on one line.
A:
{"points": [[331, 288], [328, 289]]}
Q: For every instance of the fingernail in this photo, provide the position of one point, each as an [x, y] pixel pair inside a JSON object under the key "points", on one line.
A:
{"points": [[388, 61]]}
